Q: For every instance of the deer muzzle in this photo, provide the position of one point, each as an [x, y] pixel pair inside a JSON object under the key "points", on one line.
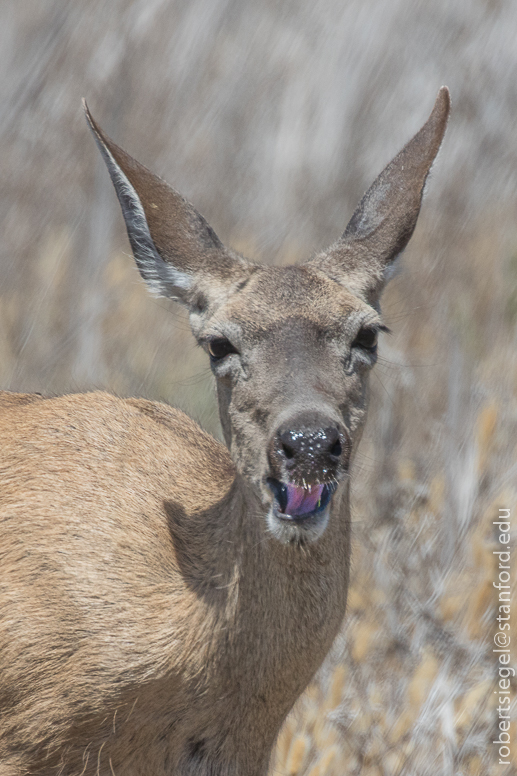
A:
{"points": [[307, 457]]}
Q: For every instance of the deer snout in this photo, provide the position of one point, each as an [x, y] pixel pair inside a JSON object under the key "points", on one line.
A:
{"points": [[296, 443], [309, 450]]}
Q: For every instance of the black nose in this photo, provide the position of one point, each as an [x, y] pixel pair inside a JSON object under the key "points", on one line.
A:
{"points": [[309, 450], [307, 442]]}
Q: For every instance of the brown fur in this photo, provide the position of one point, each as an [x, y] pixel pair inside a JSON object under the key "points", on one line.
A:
{"points": [[156, 615]]}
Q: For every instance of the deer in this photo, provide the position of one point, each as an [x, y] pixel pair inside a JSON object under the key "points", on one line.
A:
{"points": [[166, 598]]}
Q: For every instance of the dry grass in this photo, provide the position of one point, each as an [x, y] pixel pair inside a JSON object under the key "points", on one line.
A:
{"points": [[273, 119]]}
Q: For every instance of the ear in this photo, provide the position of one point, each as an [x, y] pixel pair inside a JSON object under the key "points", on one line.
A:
{"points": [[178, 254], [386, 217]]}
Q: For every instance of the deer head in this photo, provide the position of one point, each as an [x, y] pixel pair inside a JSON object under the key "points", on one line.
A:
{"points": [[290, 347]]}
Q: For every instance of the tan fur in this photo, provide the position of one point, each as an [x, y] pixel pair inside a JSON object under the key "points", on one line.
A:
{"points": [[156, 615]]}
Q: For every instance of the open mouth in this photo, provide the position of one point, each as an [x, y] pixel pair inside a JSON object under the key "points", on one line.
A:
{"points": [[298, 503]]}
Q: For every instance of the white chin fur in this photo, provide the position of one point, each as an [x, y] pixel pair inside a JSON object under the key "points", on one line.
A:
{"points": [[292, 532]]}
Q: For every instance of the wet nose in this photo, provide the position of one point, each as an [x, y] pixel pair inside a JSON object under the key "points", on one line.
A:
{"points": [[309, 450], [310, 442]]}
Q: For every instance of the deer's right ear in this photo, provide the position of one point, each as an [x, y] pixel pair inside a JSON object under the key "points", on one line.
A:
{"points": [[172, 243], [385, 218]]}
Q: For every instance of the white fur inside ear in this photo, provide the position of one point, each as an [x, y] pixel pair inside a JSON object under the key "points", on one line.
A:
{"points": [[391, 269], [161, 277]]}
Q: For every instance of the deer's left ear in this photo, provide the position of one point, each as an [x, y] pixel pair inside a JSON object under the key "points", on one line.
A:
{"points": [[386, 217], [177, 252]]}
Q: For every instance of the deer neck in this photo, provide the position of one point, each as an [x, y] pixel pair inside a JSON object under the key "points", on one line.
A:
{"points": [[241, 576], [267, 614], [228, 546]]}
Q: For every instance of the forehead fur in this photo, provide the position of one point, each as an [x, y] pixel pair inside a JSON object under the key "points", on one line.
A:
{"points": [[276, 294]]}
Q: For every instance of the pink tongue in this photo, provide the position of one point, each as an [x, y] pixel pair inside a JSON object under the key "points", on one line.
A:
{"points": [[301, 501]]}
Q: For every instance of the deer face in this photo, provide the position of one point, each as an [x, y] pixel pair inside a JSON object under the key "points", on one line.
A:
{"points": [[291, 351], [290, 347]]}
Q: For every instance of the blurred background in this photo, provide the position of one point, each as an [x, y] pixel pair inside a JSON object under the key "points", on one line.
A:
{"points": [[273, 118]]}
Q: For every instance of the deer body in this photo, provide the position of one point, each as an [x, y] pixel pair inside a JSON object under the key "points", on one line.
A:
{"points": [[144, 582], [165, 599]]}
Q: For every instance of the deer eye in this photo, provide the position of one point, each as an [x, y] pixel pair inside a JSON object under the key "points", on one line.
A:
{"points": [[366, 339], [220, 348]]}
